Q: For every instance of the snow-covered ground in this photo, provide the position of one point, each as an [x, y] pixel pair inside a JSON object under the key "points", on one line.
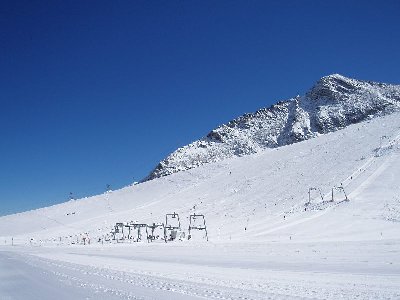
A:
{"points": [[264, 241]]}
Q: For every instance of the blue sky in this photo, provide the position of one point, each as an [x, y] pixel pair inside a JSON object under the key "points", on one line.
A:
{"points": [[97, 92]]}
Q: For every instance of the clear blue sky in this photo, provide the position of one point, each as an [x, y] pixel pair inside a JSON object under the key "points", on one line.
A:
{"points": [[97, 92]]}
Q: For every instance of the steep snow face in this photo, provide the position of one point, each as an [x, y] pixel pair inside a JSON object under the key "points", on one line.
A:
{"points": [[333, 103]]}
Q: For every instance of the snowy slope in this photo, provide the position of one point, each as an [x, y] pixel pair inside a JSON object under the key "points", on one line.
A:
{"points": [[334, 102], [253, 192], [264, 242]]}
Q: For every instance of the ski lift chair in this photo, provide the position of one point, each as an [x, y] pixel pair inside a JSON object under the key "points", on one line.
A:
{"points": [[138, 228]]}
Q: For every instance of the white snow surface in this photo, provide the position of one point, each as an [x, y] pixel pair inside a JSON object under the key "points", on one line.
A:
{"points": [[264, 241]]}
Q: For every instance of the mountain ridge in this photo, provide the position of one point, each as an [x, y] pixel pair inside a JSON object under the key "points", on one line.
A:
{"points": [[334, 102]]}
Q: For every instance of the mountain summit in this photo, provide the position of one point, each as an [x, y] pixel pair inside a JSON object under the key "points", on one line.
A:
{"points": [[334, 102]]}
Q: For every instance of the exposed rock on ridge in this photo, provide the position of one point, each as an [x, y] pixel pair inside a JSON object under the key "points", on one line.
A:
{"points": [[333, 103]]}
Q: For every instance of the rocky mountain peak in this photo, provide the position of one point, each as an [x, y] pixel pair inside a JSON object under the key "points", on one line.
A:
{"points": [[333, 87], [334, 102]]}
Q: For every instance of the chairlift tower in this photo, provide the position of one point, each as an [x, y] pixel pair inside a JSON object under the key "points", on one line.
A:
{"points": [[119, 228], [309, 194], [139, 229], [194, 224], [339, 188], [153, 227], [113, 233], [107, 197], [172, 228]]}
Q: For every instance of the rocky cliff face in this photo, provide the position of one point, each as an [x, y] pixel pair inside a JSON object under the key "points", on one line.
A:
{"points": [[333, 103]]}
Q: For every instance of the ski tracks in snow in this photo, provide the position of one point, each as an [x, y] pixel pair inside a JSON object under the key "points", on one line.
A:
{"points": [[360, 170], [103, 282], [111, 284]]}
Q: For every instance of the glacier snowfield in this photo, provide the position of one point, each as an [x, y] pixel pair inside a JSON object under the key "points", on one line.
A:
{"points": [[265, 242]]}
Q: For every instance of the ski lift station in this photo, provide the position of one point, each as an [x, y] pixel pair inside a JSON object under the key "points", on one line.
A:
{"points": [[172, 230], [169, 231]]}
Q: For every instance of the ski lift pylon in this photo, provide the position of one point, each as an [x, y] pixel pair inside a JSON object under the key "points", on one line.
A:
{"points": [[173, 228], [314, 189], [138, 228], [192, 225], [153, 227], [339, 188]]}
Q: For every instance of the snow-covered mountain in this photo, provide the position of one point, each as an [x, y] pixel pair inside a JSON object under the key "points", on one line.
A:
{"points": [[334, 102], [252, 192], [269, 236]]}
